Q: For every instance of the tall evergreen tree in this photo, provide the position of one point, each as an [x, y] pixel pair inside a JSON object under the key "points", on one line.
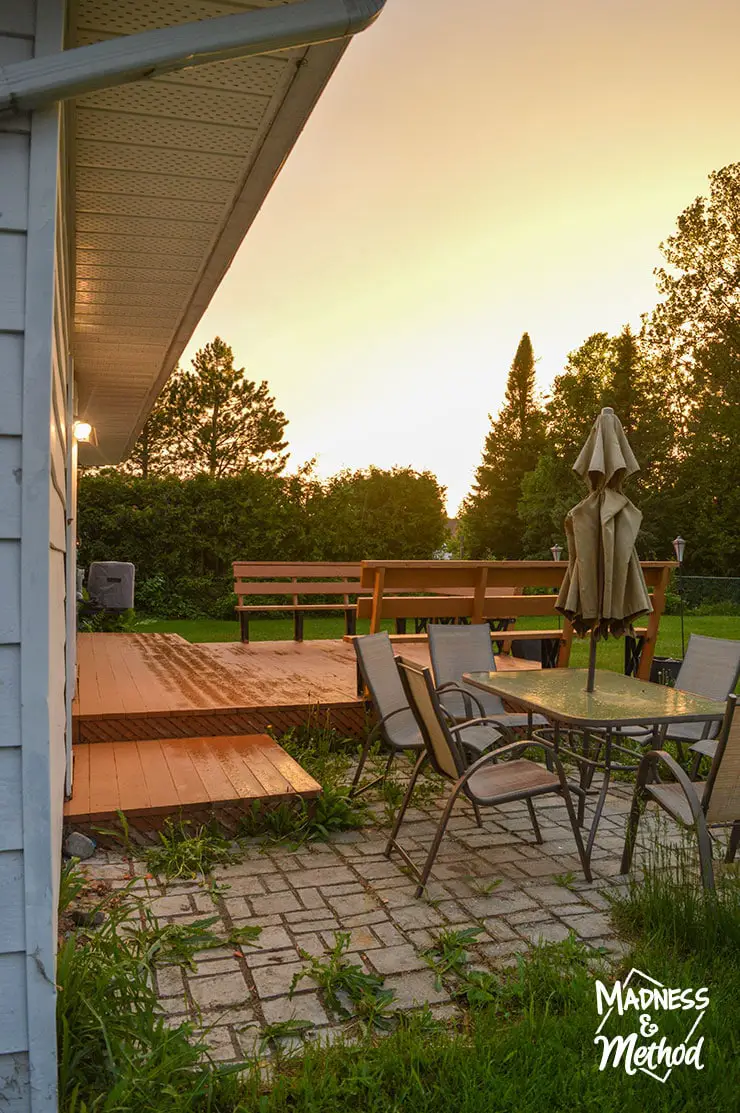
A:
{"points": [[489, 520], [211, 420], [604, 371], [695, 331]]}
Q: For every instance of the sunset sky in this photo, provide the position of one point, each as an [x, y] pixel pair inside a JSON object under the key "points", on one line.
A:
{"points": [[475, 169]]}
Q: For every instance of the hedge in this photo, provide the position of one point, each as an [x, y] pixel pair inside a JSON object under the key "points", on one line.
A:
{"points": [[183, 534]]}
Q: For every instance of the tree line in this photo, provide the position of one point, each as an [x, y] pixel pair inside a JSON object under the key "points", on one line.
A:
{"points": [[675, 385]]}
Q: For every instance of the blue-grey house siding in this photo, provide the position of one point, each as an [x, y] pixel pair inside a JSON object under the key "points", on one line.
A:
{"points": [[33, 470]]}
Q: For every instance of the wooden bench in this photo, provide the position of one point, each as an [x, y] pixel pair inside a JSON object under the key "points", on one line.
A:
{"points": [[481, 591], [296, 581]]}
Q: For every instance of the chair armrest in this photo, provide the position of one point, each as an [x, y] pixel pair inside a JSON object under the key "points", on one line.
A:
{"points": [[468, 698], [381, 722], [651, 759]]}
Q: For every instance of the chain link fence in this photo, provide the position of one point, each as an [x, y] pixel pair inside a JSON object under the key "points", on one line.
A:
{"points": [[704, 595]]}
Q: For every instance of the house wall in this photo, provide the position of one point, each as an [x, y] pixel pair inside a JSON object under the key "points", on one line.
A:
{"points": [[33, 453]]}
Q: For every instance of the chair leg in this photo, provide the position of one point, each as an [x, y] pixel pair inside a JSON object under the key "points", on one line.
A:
{"points": [[631, 834], [585, 864], [694, 771], [388, 764], [442, 827], [734, 841], [476, 809], [406, 801], [533, 819], [705, 853], [361, 765]]}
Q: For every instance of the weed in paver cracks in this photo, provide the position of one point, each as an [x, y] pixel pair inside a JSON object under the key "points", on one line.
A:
{"points": [[346, 984]]}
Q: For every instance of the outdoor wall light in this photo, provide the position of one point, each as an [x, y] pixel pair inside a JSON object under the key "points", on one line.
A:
{"points": [[556, 551], [678, 547], [82, 430]]}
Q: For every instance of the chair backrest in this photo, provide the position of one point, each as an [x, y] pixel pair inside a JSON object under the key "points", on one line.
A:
{"points": [[444, 752], [458, 649], [378, 667], [721, 800], [711, 667]]}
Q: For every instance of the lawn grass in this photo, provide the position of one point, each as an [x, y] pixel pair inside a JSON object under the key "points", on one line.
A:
{"points": [[610, 654]]}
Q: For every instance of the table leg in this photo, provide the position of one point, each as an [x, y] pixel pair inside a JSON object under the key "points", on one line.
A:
{"points": [[602, 794]]}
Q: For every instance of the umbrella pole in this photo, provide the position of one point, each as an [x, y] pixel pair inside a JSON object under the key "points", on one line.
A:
{"points": [[591, 663]]}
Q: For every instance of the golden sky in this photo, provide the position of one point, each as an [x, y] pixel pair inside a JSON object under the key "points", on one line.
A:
{"points": [[475, 169]]}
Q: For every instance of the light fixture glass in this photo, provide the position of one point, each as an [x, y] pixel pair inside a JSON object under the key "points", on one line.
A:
{"points": [[82, 430], [679, 545], [556, 551]]}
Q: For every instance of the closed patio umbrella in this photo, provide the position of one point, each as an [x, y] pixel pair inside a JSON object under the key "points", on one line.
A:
{"points": [[603, 590]]}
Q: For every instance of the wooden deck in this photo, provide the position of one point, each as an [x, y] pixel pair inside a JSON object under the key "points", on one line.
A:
{"points": [[134, 687], [194, 778]]}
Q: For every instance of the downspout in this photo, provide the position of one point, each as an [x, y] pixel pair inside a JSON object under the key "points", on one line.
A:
{"points": [[26, 86]]}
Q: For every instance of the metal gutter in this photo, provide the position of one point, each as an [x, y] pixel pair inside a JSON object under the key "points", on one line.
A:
{"points": [[26, 86]]}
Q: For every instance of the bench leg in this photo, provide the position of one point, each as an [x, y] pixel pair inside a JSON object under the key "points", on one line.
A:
{"points": [[400, 625], [244, 627], [298, 626], [350, 622]]}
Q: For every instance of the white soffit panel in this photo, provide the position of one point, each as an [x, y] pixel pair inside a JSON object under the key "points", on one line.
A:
{"points": [[167, 177]]}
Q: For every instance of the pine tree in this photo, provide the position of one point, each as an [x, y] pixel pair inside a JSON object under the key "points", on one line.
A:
{"points": [[489, 519], [211, 420]]}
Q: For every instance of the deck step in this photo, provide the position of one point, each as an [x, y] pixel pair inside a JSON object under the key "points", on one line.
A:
{"points": [[194, 778]]}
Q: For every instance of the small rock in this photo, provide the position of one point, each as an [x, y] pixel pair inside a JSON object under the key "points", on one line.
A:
{"points": [[87, 919], [79, 846]]}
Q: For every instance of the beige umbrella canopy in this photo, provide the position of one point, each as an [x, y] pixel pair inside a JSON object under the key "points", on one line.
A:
{"points": [[604, 590]]}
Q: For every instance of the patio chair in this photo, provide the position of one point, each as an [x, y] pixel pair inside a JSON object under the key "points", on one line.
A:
{"points": [[458, 649], [710, 668], [700, 805], [487, 781], [397, 728]]}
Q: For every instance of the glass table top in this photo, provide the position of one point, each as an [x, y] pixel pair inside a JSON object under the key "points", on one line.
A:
{"points": [[561, 695]]}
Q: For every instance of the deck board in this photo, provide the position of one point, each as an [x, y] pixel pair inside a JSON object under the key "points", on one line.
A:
{"points": [[169, 776], [134, 687]]}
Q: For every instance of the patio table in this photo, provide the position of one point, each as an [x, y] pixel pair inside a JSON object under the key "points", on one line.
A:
{"points": [[617, 702]]}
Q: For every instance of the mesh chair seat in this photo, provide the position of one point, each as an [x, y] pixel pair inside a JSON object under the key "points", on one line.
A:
{"points": [[401, 731], [454, 705], [513, 776], [479, 738], [705, 748], [672, 798]]}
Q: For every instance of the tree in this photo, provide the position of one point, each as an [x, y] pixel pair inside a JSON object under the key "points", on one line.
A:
{"points": [[378, 514], [490, 523], [155, 451], [229, 424], [695, 331], [211, 420], [604, 371]]}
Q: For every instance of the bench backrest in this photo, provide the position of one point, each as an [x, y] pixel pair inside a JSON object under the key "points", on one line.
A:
{"points": [[438, 582], [292, 579]]}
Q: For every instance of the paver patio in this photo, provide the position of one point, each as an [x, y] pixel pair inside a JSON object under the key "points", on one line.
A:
{"points": [[496, 878]]}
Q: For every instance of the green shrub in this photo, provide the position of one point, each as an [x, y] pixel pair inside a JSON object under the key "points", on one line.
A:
{"points": [[183, 535]]}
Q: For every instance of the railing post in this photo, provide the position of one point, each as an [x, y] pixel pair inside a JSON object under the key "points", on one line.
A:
{"points": [[479, 598], [378, 584], [651, 637], [564, 654]]}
